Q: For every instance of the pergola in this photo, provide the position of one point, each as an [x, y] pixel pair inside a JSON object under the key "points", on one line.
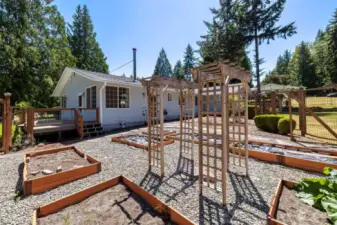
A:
{"points": [[156, 86], [219, 133], [226, 131]]}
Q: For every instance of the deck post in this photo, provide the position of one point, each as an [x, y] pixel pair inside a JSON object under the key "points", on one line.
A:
{"points": [[30, 125], [97, 115]]}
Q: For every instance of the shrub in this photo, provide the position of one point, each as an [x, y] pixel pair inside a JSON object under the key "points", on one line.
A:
{"points": [[284, 125], [267, 122], [16, 134]]}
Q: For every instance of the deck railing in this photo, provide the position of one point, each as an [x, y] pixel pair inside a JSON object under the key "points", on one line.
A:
{"points": [[36, 117]]}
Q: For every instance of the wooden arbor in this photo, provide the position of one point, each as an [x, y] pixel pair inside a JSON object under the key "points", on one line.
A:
{"points": [[155, 87], [222, 124]]}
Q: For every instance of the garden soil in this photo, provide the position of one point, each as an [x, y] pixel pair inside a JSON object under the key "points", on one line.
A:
{"points": [[116, 205], [68, 160], [291, 211]]}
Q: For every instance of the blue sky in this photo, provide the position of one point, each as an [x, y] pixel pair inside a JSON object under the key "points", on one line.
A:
{"points": [[149, 25]]}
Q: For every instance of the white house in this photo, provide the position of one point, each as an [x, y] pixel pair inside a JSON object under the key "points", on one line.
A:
{"points": [[122, 102]]}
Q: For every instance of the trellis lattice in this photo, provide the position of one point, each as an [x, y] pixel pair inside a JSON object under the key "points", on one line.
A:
{"points": [[187, 103], [223, 114]]}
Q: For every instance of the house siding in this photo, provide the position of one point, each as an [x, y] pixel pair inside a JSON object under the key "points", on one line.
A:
{"points": [[136, 114], [76, 85]]}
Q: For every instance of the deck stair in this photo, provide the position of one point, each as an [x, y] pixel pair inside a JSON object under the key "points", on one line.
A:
{"points": [[92, 130]]}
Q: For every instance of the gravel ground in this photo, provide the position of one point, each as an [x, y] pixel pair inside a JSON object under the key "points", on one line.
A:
{"points": [[248, 197]]}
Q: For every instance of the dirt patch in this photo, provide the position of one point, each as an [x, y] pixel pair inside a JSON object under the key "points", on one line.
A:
{"points": [[66, 159], [116, 205], [292, 211]]}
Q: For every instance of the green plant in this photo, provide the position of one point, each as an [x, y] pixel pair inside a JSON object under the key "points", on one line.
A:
{"points": [[16, 134], [284, 125], [321, 193], [267, 122]]}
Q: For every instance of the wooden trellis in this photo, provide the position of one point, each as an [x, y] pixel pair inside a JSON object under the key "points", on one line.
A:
{"points": [[223, 115], [187, 103], [156, 87]]}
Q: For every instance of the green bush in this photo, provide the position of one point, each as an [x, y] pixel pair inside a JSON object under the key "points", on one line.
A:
{"points": [[284, 125], [16, 134], [267, 122]]}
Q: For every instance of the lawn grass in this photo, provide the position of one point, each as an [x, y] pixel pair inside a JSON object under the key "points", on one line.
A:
{"points": [[324, 102], [315, 129]]}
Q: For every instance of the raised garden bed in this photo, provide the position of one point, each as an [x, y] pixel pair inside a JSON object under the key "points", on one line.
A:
{"points": [[310, 159], [48, 169], [138, 141], [286, 208], [166, 132], [116, 201]]}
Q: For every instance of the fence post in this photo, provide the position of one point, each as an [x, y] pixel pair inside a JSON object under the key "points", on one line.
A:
{"points": [[290, 117], [256, 110], [263, 105], [302, 112], [273, 103], [8, 118]]}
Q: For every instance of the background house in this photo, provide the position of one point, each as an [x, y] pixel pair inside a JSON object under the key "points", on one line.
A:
{"points": [[122, 101]]}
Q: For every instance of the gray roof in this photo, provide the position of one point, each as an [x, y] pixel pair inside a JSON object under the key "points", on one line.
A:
{"points": [[95, 76], [105, 76]]}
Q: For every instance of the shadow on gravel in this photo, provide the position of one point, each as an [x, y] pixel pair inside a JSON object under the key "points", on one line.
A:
{"points": [[211, 212], [19, 187], [178, 182]]}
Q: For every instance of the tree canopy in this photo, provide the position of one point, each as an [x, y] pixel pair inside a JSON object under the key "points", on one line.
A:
{"points": [[83, 44], [163, 66], [178, 71], [34, 50]]}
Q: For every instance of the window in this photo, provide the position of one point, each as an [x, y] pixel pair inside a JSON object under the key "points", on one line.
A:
{"points": [[91, 97], [117, 97], [169, 97], [124, 98], [80, 101], [63, 102]]}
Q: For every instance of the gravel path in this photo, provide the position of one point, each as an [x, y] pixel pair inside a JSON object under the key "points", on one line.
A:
{"points": [[248, 197]]}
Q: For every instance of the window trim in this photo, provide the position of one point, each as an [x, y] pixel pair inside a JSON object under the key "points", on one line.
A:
{"points": [[169, 97], [90, 100], [63, 99], [117, 86]]}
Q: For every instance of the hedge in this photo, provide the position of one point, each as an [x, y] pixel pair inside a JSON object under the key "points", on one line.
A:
{"points": [[284, 125], [267, 122]]}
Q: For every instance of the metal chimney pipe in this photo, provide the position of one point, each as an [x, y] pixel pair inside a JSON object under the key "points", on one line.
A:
{"points": [[134, 64]]}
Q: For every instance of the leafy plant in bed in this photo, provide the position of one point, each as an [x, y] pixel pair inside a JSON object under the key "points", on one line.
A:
{"points": [[320, 193]]}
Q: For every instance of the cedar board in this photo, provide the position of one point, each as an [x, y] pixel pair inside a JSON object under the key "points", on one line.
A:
{"points": [[130, 143], [303, 164], [162, 208], [41, 184], [271, 218]]}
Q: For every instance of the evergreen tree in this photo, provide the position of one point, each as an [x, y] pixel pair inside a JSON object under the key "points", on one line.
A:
{"points": [[178, 71], [259, 19], [225, 37], [33, 51], [281, 68], [83, 44], [332, 48], [189, 62], [301, 67], [321, 59], [163, 66]]}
